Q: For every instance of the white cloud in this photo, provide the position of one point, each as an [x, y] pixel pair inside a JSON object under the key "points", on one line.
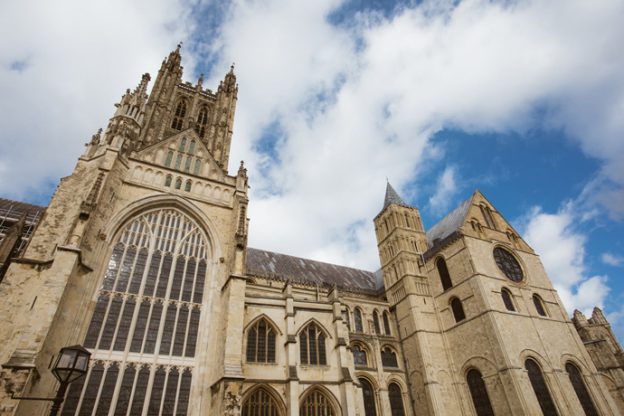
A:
{"points": [[612, 259], [63, 65], [354, 104], [446, 188], [387, 85], [562, 250]]}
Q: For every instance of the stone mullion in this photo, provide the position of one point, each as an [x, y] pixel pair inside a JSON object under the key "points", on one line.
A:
{"points": [[84, 387], [177, 397], [107, 365], [148, 390], [134, 385], [175, 326], [197, 260], [186, 330], [163, 394]]}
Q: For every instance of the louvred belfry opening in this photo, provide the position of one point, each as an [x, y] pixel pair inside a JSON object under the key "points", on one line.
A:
{"points": [[143, 332]]}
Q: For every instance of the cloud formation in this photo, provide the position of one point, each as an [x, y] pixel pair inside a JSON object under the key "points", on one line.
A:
{"points": [[562, 250]]}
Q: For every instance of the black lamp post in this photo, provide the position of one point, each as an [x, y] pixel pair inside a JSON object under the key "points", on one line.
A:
{"points": [[71, 364]]}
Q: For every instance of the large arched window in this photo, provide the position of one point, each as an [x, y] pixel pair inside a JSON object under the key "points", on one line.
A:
{"points": [[396, 400], [260, 403], [148, 306], [386, 322], [540, 388], [359, 356], [507, 300], [312, 345], [580, 389], [539, 305], [458, 310], [376, 323], [370, 408], [357, 318], [445, 278], [202, 120], [261, 343], [316, 403], [389, 358], [479, 393], [178, 117]]}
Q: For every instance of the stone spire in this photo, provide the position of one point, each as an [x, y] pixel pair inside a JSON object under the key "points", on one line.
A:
{"points": [[392, 197]]}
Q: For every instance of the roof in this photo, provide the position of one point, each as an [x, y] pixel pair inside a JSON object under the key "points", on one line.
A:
{"points": [[277, 266], [14, 210], [392, 197]]}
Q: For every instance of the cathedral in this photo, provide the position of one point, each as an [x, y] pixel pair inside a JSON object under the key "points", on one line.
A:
{"points": [[141, 257]]}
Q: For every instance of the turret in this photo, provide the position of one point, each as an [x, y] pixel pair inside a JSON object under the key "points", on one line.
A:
{"points": [[401, 238], [223, 122]]}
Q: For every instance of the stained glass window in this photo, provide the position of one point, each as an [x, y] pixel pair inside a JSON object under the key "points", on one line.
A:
{"points": [[389, 358], [370, 408], [386, 322], [261, 343], [312, 345], [359, 355], [178, 117], [507, 300], [396, 400], [540, 388], [479, 394], [508, 264], [260, 403], [357, 317], [581, 390], [148, 308], [316, 403]]}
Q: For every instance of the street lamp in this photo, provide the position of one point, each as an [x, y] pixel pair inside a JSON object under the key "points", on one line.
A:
{"points": [[71, 364]]}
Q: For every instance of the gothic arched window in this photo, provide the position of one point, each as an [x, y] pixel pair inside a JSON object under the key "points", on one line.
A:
{"points": [[169, 158], [507, 300], [539, 305], [260, 403], [458, 310], [508, 264], [316, 403], [191, 148], [386, 323], [187, 186], [202, 120], [178, 183], [359, 355], [357, 318], [148, 304], [487, 215], [197, 166], [312, 345], [370, 408], [261, 343], [580, 389], [540, 388], [396, 400], [178, 117], [168, 180], [389, 358], [445, 277], [376, 323], [479, 394]]}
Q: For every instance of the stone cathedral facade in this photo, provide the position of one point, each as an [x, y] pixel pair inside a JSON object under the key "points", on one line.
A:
{"points": [[142, 257]]}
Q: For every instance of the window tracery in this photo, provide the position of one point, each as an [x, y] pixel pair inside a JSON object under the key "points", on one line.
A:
{"points": [[148, 306], [178, 117], [508, 264], [316, 403], [261, 342], [359, 355], [312, 345], [389, 358]]}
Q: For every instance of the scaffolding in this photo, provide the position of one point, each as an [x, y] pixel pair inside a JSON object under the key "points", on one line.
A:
{"points": [[11, 212]]}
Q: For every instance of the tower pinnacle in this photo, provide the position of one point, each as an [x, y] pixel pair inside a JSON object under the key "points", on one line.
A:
{"points": [[392, 197]]}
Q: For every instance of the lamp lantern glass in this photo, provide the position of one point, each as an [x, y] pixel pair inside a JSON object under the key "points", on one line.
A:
{"points": [[71, 364]]}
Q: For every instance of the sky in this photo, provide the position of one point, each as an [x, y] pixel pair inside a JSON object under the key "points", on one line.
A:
{"points": [[523, 100]]}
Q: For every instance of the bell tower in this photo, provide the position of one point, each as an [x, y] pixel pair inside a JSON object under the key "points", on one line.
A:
{"points": [[401, 241]]}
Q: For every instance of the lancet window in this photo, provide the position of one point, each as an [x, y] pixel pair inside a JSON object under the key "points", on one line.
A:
{"points": [[445, 277], [386, 322], [148, 309], [376, 323], [359, 355], [260, 403], [357, 318], [202, 120], [316, 403], [458, 310], [389, 358], [479, 394], [539, 305], [508, 300], [178, 117], [396, 400], [261, 343], [540, 388], [312, 345], [581, 390], [370, 408]]}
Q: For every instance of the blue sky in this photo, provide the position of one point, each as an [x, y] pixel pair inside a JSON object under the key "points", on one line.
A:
{"points": [[520, 99]]}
